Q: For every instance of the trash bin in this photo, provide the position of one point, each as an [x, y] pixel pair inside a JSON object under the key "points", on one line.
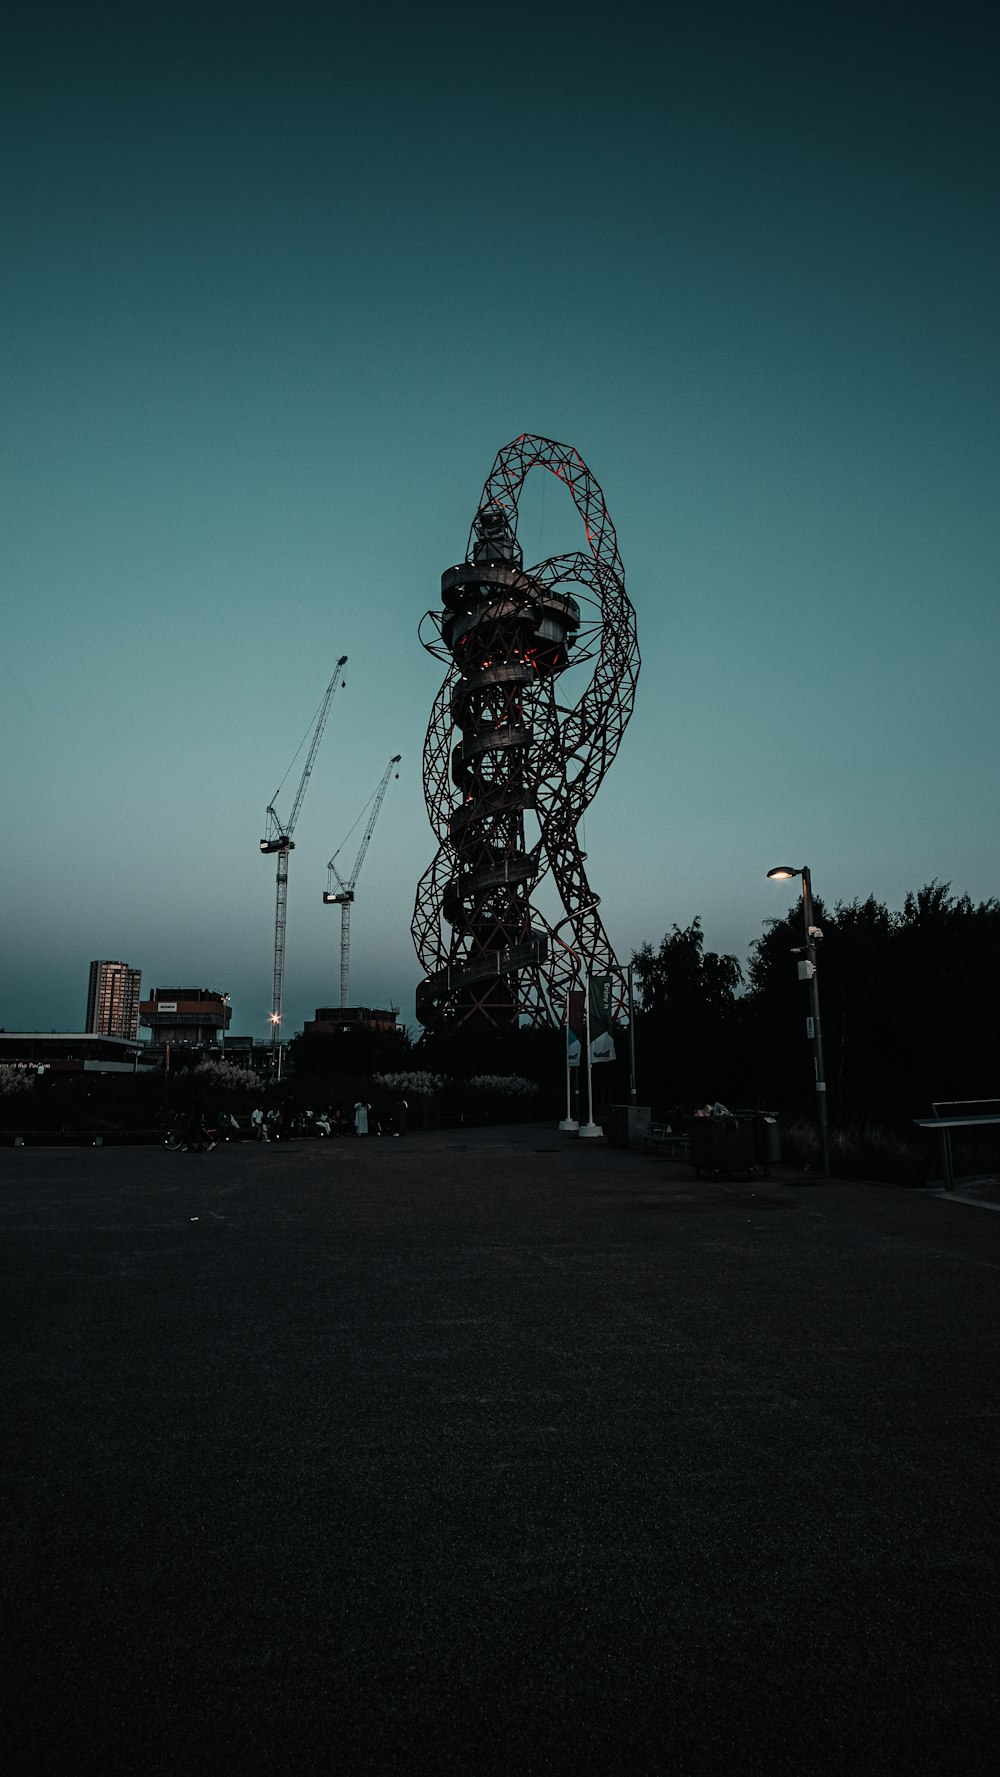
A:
{"points": [[766, 1137], [721, 1144], [770, 1139], [625, 1125]]}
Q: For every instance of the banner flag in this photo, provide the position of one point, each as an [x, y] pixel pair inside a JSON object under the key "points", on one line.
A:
{"points": [[576, 1028], [602, 1043]]}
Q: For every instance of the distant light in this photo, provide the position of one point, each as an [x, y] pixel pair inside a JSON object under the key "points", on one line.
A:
{"points": [[781, 873]]}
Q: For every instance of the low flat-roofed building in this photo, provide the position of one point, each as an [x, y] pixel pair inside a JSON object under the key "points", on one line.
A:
{"points": [[330, 1019], [68, 1051], [248, 1052], [195, 1016]]}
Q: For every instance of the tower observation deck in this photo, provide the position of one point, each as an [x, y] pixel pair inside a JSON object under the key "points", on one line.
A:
{"points": [[509, 771]]}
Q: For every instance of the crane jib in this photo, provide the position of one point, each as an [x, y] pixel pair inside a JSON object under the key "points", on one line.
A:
{"points": [[279, 841], [344, 899]]}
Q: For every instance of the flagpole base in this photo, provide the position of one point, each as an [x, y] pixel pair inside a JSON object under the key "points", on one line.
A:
{"points": [[569, 1125], [590, 1129]]}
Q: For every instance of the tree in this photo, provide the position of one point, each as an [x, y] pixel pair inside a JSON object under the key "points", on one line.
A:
{"points": [[461, 1050], [854, 960], [909, 1004], [354, 1050], [687, 1025], [947, 989]]}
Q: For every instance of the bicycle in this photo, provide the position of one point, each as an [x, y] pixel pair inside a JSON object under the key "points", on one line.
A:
{"points": [[176, 1137]]}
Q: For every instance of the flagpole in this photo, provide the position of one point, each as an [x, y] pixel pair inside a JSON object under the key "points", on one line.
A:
{"points": [[631, 1040], [590, 1128], [569, 1123]]}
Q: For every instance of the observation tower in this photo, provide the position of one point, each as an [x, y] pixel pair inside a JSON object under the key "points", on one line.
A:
{"points": [[509, 767]]}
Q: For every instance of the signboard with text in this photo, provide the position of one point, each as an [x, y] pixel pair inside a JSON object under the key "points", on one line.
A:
{"points": [[602, 1043]]}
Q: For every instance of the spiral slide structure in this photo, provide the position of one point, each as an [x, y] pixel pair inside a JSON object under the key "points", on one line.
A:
{"points": [[502, 752]]}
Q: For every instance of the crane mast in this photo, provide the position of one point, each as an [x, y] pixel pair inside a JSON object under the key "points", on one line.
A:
{"points": [[343, 897], [278, 841]]}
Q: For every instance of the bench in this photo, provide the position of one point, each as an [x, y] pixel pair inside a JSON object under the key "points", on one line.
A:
{"points": [[956, 1113], [662, 1139]]}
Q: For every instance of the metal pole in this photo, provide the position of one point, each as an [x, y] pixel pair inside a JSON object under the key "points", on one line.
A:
{"points": [[631, 1040], [569, 1122], [569, 1111], [817, 1033], [280, 916], [345, 953], [586, 1039], [590, 1127]]}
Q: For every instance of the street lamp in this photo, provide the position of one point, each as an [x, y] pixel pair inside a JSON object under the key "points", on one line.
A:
{"points": [[807, 972], [275, 1021]]}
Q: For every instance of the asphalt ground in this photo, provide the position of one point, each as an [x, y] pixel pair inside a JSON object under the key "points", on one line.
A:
{"points": [[495, 1452]]}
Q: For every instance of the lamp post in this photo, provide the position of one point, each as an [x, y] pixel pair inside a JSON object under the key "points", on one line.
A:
{"points": [[783, 873]]}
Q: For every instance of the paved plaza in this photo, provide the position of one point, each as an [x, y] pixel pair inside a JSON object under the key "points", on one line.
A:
{"points": [[493, 1451]]}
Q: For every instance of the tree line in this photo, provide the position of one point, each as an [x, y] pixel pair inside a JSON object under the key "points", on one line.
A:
{"points": [[910, 1005]]}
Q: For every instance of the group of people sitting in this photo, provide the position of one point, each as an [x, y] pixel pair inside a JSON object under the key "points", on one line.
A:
{"points": [[287, 1121], [282, 1123]]}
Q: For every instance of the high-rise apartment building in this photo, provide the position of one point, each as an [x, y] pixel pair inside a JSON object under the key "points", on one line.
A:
{"points": [[113, 1000]]}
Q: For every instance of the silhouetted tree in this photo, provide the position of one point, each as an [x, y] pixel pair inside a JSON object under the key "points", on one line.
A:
{"points": [[354, 1051], [462, 1050], [909, 1005], [687, 1025], [947, 994]]}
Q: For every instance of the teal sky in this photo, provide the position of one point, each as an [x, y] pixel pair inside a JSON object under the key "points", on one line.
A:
{"points": [[277, 287]]}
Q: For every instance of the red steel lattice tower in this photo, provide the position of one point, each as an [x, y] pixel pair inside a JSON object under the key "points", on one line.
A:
{"points": [[509, 769]]}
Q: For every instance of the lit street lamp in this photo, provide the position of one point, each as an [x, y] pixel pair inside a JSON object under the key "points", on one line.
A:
{"points": [[275, 1022], [807, 971]]}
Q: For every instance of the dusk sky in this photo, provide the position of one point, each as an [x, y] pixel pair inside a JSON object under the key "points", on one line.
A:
{"points": [[278, 285]]}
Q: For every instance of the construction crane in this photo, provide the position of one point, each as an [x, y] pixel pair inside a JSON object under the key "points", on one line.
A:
{"points": [[343, 895], [278, 840]]}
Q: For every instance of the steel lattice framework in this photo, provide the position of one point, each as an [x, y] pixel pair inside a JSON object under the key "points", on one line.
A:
{"points": [[508, 634]]}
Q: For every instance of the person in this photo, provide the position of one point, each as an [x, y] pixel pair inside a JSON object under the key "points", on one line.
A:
{"points": [[258, 1125], [229, 1128], [704, 1110], [361, 1118], [399, 1110], [197, 1129]]}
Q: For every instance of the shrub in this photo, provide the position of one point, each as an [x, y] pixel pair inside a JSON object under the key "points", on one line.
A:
{"points": [[413, 1085], [504, 1085], [224, 1074], [862, 1150], [15, 1080]]}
